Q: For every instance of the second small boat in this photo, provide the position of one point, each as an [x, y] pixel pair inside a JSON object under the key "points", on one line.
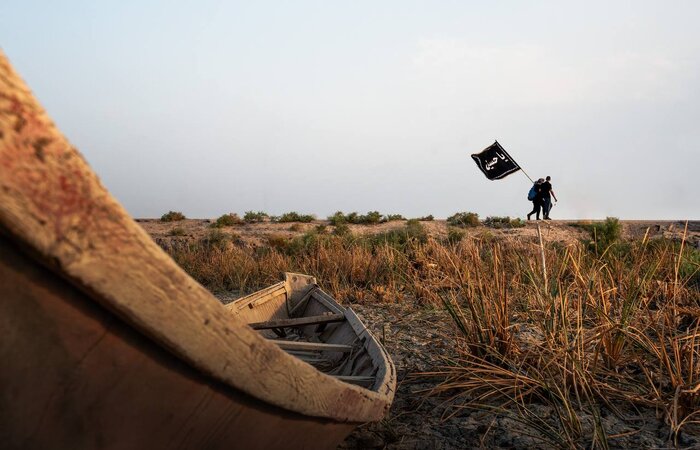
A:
{"points": [[309, 324]]}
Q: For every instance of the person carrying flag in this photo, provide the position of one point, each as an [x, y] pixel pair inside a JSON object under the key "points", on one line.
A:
{"points": [[536, 200], [495, 162]]}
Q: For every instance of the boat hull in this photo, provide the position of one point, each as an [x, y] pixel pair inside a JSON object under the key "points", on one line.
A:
{"points": [[74, 375]]}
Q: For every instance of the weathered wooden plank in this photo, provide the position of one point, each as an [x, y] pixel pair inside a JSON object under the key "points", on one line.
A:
{"points": [[327, 301], [387, 373], [313, 359], [302, 353], [253, 302], [317, 346], [75, 377], [298, 322], [258, 298], [300, 306], [354, 379]]}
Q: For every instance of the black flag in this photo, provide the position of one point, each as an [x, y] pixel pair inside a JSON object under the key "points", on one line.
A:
{"points": [[495, 162]]}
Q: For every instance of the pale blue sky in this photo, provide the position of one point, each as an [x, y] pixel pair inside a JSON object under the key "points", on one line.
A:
{"points": [[210, 107]]}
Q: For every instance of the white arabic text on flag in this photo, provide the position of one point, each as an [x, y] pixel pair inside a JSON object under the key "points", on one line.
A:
{"points": [[495, 162]]}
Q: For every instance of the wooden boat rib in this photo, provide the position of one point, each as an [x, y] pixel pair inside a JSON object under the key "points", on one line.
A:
{"points": [[306, 322], [107, 343]]}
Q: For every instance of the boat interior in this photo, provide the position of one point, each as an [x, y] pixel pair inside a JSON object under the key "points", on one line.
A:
{"points": [[309, 324]]}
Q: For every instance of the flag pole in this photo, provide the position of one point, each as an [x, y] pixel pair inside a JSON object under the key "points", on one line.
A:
{"points": [[511, 158], [525, 173]]}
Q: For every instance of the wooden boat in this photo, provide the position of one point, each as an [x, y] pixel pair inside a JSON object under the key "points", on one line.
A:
{"points": [[106, 343], [306, 322]]}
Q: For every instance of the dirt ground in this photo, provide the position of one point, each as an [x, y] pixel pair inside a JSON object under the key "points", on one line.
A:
{"points": [[565, 232], [418, 339]]}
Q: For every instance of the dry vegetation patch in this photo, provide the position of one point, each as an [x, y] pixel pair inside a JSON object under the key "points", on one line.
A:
{"points": [[590, 340]]}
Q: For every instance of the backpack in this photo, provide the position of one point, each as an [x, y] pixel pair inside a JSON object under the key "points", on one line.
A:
{"points": [[533, 193]]}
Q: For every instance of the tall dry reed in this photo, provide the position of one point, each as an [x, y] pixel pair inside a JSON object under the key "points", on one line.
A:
{"points": [[613, 328]]}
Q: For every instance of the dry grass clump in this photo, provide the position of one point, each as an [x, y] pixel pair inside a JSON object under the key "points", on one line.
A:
{"points": [[350, 266], [589, 335], [217, 240], [255, 217], [580, 332], [463, 220], [504, 222], [177, 231]]}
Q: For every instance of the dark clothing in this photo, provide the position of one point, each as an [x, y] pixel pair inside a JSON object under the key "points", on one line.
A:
{"points": [[545, 189], [536, 206], [546, 206], [537, 202]]}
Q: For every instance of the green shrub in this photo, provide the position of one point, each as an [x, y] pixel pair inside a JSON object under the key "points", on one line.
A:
{"points": [[320, 229], [172, 216], [227, 220], [342, 229], [299, 246], [217, 239], [294, 216], [463, 220], [603, 234], [371, 218], [400, 237], [455, 235], [415, 228], [610, 230], [486, 236], [254, 217], [337, 218], [504, 222], [428, 218], [517, 222], [177, 231], [689, 267]]}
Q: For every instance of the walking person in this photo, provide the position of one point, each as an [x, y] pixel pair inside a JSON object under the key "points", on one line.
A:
{"points": [[547, 194], [536, 200]]}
